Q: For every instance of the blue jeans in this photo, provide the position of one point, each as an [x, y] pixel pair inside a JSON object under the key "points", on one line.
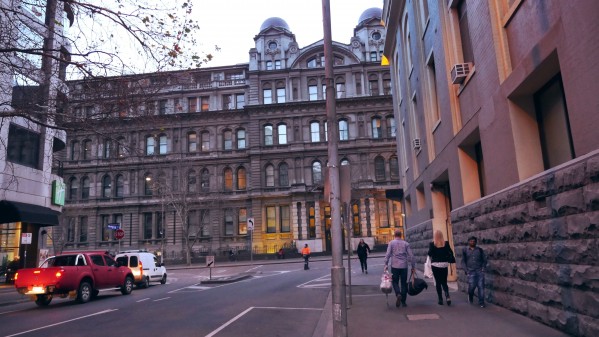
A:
{"points": [[398, 274], [476, 279]]}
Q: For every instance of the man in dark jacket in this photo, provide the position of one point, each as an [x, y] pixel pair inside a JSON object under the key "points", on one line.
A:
{"points": [[474, 262], [363, 251]]}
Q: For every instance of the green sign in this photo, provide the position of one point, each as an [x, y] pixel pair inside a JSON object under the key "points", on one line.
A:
{"points": [[58, 192]]}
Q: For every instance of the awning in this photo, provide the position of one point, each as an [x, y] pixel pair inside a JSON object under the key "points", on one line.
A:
{"points": [[12, 211]]}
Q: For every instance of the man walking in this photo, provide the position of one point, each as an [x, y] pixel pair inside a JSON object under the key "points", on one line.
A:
{"points": [[306, 255], [474, 262], [400, 254]]}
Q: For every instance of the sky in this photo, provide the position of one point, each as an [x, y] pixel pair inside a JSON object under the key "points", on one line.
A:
{"points": [[233, 24]]}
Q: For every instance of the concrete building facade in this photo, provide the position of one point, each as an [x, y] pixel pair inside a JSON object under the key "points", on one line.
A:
{"points": [[496, 108]]}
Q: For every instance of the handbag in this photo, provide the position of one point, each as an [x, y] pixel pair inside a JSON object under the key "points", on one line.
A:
{"points": [[386, 286], [428, 270], [416, 286]]}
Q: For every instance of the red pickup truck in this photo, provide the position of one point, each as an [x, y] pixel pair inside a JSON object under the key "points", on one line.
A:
{"points": [[77, 274]]}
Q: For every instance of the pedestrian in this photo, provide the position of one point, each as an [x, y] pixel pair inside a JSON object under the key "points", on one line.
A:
{"points": [[306, 255], [474, 262], [441, 257], [363, 251], [400, 254]]}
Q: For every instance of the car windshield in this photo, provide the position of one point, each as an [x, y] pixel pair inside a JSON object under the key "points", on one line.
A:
{"points": [[59, 261]]}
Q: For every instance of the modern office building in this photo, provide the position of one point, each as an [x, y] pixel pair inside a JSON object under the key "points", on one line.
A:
{"points": [[191, 158], [496, 103]]}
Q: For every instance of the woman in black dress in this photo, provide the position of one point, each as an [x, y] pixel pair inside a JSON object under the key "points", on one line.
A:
{"points": [[441, 257]]}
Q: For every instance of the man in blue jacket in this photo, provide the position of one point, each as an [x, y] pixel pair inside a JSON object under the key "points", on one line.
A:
{"points": [[474, 262]]}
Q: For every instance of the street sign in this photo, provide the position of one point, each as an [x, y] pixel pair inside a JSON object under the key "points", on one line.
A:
{"points": [[250, 224], [26, 238], [115, 225], [210, 261], [119, 234]]}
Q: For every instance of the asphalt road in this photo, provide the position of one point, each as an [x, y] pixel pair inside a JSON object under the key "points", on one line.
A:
{"points": [[277, 300]]}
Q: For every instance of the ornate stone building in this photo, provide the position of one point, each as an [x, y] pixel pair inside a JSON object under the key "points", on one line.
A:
{"points": [[226, 144]]}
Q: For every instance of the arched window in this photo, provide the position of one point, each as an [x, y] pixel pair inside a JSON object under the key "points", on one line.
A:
{"points": [[73, 187], [241, 139], [311, 63], [228, 175], [150, 144], [87, 149], [270, 175], [205, 180], [85, 188], [119, 186], [268, 137], [391, 129], [148, 184], [377, 131], [315, 132], [241, 179], [191, 181], [284, 174], [192, 142], [316, 173], [227, 140], [394, 167], [205, 141], [106, 187], [379, 168], [74, 150], [343, 130], [163, 144], [282, 131]]}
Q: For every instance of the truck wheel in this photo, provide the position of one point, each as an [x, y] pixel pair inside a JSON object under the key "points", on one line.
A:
{"points": [[127, 287], [163, 280], [85, 292], [146, 282], [43, 300]]}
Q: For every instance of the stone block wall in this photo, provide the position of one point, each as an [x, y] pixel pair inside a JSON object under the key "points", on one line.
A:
{"points": [[419, 238], [541, 239]]}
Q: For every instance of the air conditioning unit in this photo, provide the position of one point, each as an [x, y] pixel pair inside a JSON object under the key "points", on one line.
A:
{"points": [[459, 72], [416, 143]]}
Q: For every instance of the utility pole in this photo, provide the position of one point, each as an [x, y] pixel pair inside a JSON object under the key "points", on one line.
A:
{"points": [[337, 269]]}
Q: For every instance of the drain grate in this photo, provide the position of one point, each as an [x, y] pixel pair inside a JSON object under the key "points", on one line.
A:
{"points": [[422, 317]]}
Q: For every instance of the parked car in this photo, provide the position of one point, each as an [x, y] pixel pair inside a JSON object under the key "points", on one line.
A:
{"points": [[144, 265], [80, 275]]}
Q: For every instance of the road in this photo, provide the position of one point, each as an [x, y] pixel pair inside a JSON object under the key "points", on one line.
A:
{"points": [[277, 300]]}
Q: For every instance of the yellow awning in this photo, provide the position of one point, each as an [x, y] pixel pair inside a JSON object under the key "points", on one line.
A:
{"points": [[384, 61]]}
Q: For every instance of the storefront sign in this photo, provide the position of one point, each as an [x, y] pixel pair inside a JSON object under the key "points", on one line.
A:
{"points": [[58, 192]]}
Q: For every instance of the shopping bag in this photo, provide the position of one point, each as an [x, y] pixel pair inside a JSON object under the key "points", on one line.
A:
{"points": [[428, 269], [416, 285], [386, 286]]}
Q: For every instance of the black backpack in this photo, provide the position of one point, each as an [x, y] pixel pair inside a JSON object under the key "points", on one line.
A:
{"points": [[416, 286]]}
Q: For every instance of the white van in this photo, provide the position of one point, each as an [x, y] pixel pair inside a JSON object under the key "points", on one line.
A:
{"points": [[145, 267]]}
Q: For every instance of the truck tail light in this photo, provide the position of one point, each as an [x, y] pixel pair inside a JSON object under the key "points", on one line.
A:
{"points": [[16, 276], [141, 268], [58, 274]]}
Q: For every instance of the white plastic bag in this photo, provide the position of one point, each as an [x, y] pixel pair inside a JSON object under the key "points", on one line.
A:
{"points": [[386, 286], [428, 269]]}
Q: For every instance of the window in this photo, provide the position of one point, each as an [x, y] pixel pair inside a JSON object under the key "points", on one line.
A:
{"points": [[387, 84], [191, 181], [434, 98], [376, 128], [205, 222], [150, 144], [162, 107], [340, 90], [465, 32], [282, 132], [228, 222], [159, 225], [192, 142], [391, 129], [277, 64], [337, 60], [242, 227], [87, 149], [373, 85], [85, 188], [344, 162], [284, 218], [106, 187], [311, 221], [267, 96], [315, 132], [228, 140], [205, 141], [148, 185], [118, 186], [280, 95], [241, 139], [147, 226], [239, 101], [104, 231], [383, 214], [311, 63], [394, 167], [373, 56], [106, 152], [326, 131], [268, 136], [192, 104], [284, 174], [271, 224], [83, 229], [379, 168], [121, 150], [163, 144], [73, 187], [205, 180], [74, 150], [270, 176], [343, 130], [355, 211], [228, 103], [241, 179], [316, 173], [312, 92], [268, 65], [228, 175]]}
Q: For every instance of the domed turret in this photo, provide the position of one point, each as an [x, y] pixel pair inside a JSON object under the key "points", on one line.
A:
{"points": [[370, 13], [274, 22]]}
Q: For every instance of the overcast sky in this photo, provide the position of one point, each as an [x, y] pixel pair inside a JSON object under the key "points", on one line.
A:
{"points": [[233, 24]]}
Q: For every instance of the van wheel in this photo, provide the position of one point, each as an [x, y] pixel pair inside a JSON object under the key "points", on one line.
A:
{"points": [[127, 287], [85, 292], [146, 283], [43, 300], [163, 279]]}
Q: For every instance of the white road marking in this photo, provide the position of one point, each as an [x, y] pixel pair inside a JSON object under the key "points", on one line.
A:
{"points": [[232, 320], [63, 322], [143, 299], [256, 267], [321, 282], [8, 312], [198, 287], [162, 299]]}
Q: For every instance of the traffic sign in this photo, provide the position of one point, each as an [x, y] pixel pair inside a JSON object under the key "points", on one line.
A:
{"points": [[250, 224], [119, 234], [115, 225], [26, 238], [210, 261]]}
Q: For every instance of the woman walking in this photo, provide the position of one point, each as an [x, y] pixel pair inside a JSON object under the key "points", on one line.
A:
{"points": [[441, 256], [363, 251]]}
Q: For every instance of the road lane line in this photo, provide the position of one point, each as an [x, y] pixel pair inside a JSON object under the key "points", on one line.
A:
{"points": [[8, 312], [162, 299], [228, 323], [143, 299], [256, 267], [67, 321], [287, 308]]}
